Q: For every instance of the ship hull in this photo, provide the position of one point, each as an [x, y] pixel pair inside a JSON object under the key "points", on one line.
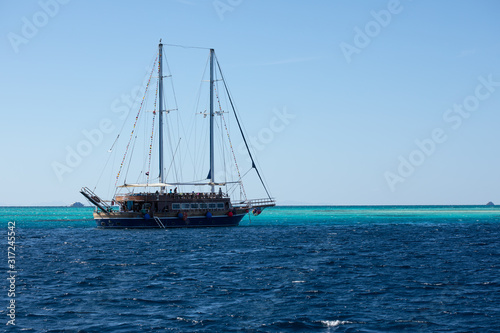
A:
{"points": [[140, 222]]}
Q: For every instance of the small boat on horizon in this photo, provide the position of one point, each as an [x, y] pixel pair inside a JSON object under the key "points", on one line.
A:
{"points": [[161, 204]]}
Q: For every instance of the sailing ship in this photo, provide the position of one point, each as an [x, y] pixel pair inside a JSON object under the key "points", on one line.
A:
{"points": [[159, 204]]}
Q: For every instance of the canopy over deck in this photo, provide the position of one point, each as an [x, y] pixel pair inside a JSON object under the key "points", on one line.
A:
{"points": [[145, 185]]}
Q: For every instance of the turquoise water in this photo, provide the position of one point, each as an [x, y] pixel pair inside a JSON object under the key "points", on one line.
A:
{"points": [[47, 217], [325, 215], [56, 217]]}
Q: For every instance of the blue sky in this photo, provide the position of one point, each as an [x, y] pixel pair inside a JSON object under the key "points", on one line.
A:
{"points": [[367, 102]]}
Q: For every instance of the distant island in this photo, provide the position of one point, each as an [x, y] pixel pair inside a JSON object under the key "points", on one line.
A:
{"points": [[77, 204], [490, 204]]}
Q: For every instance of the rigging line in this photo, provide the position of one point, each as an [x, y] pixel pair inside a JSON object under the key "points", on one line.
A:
{"points": [[135, 123], [128, 166], [203, 160], [234, 186], [135, 99], [152, 132], [102, 172], [220, 146], [175, 152], [110, 181], [194, 126], [232, 150], [180, 130], [246, 173], [202, 141], [241, 130], [223, 146], [107, 162], [110, 187], [143, 149], [114, 143], [171, 82], [138, 179], [188, 47], [179, 122], [200, 157], [199, 181], [177, 162], [223, 153]]}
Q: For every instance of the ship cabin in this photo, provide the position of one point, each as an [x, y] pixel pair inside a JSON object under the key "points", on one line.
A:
{"points": [[174, 202]]}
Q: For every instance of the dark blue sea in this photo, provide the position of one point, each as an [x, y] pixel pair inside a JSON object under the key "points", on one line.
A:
{"points": [[291, 269]]}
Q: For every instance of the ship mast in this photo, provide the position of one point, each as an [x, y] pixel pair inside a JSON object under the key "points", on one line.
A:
{"points": [[211, 120], [160, 97]]}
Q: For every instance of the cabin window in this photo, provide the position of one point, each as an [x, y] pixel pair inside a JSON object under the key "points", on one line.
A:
{"points": [[194, 206], [203, 206], [211, 205], [220, 205], [185, 206], [176, 206]]}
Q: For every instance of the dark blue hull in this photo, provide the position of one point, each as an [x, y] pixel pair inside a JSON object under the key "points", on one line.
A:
{"points": [[169, 222]]}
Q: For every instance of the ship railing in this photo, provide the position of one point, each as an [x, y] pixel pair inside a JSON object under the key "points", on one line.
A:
{"points": [[267, 202], [182, 195]]}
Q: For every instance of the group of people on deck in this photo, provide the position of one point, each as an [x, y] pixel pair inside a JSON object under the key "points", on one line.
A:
{"points": [[193, 195]]}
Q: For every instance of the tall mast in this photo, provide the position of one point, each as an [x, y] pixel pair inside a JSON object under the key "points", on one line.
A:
{"points": [[160, 97], [212, 119]]}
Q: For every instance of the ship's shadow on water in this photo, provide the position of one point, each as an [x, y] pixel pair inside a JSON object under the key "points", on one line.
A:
{"points": [[258, 278]]}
